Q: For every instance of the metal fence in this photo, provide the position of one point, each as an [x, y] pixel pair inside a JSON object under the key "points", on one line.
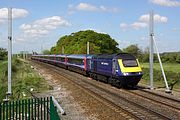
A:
{"points": [[29, 109]]}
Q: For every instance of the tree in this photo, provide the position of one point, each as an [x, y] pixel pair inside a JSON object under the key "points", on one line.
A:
{"points": [[75, 43], [46, 52], [134, 50], [178, 59], [3, 53]]}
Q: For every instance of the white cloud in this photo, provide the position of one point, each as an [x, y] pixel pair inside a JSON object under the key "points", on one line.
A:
{"points": [[166, 3], [86, 7], [19, 13], [135, 25], [157, 18], [143, 22], [16, 13], [138, 25], [42, 27], [90, 8]]}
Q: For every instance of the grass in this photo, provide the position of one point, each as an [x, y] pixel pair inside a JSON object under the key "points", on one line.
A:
{"points": [[24, 79], [172, 71], [173, 67]]}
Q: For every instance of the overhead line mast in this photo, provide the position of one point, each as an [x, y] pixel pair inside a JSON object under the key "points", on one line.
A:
{"points": [[153, 42], [9, 92]]}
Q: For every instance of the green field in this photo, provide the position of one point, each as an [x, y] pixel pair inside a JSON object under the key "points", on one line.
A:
{"points": [[173, 67], [172, 71]]}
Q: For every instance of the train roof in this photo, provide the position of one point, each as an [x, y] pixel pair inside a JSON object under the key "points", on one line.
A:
{"points": [[114, 56]]}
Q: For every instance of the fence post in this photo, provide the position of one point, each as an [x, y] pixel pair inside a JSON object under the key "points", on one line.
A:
{"points": [[53, 111], [44, 108]]}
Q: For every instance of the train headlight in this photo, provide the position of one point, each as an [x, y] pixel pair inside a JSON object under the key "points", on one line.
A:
{"points": [[125, 74]]}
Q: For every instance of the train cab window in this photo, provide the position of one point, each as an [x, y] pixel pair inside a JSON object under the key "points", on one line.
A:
{"points": [[130, 63]]}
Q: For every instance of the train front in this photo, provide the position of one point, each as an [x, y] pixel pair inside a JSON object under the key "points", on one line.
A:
{"points": [[130, 72]]}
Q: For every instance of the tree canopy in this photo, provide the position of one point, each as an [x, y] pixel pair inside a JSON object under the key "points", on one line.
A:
{"points": [[3, 53], [76, 43]]}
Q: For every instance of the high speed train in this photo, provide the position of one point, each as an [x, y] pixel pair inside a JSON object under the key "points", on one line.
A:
{"points": [[120, 69]]}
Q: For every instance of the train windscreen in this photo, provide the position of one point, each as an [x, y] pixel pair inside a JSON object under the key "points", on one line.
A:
{"points": [[130, 63]]}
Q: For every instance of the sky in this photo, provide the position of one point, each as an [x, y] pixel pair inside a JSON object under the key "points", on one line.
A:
{"points": [[38, 24]]}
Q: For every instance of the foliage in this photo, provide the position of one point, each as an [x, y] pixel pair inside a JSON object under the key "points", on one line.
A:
{"points": [[143, 56], [178, 59], [76, 43], [134, 50], [3, 54], [46, 52]]}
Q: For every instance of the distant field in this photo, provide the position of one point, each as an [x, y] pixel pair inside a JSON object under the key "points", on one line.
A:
{"points": [[173, 67], [172, 71]]}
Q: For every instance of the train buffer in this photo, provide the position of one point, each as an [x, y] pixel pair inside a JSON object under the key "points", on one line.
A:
{"points": [[31, 109]]}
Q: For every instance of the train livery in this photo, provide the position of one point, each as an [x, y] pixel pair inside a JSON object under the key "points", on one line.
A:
{"points": [[120, 69]]}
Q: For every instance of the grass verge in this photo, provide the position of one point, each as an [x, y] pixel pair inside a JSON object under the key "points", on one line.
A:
{"points": [[25, 80]]}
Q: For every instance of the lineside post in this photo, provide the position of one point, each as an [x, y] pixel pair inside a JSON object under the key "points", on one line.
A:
{"points": [[151, 27], [87, 47], [9, 53], [9, 49]]}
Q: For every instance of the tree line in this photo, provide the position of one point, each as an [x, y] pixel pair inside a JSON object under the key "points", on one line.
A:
{"points": [[100, 43], [143, 55]]}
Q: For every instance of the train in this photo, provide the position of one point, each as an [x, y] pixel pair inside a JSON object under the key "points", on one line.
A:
{"points": [[121, 69]]}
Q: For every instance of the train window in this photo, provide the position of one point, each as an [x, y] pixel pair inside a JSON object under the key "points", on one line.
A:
{"points": [[130, 63], [62, 59], [58, 58], [76, 61]]}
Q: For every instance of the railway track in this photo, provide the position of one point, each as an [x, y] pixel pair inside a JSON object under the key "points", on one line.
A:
{"points": [[123, 105], [158, 98]]}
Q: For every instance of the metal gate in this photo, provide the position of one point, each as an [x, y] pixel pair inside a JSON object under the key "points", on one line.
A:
{"points": [[29, 109]]}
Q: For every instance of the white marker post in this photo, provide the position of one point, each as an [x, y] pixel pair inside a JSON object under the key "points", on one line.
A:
{"points": [[87, 47], [9, 52], [151, 27]]}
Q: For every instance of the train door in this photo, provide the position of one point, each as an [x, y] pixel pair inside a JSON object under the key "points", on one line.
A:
{"points": [[113, 67], [95, 65]]}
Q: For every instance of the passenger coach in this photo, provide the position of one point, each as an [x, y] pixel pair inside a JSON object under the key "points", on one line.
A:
{"points": [[121, 69]]}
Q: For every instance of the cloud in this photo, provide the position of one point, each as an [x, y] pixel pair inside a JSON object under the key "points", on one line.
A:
{"points": [[16, 13], [138, 25], [143, 22], [157, 18], [90, 8], [166, 3], [86, 7], [42, 27]]}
